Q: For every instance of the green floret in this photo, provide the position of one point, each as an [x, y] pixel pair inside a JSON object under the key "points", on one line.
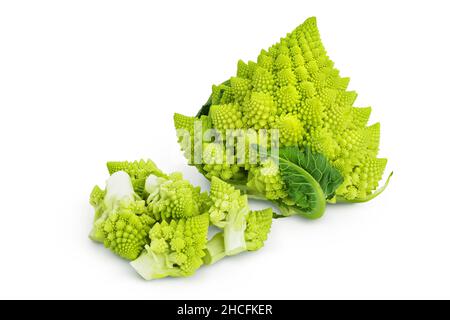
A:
{"points": [[226, 117], [256, 232], [166, 235], [229, 211], [259, 111], [126, 230], [258, 228], [291, 130], [267, 181], [138, 172], [174, 198], [96, 200], [119, 189], [216, 164], [205, 202], [190, 131], [176, 249]]}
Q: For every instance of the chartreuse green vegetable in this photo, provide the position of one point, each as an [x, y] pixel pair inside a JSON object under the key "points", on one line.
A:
{"points": [[162, 223], [259, 224], [257, 228], [284, 129], [126, 231], [296, 97], [119, 195], [137, 170], [176, 249], [243, 230], [229, 212], [174, 198], [121, 222]]}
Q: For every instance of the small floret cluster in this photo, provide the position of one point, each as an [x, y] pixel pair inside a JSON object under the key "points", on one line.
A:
{"points": [[161, 222]]}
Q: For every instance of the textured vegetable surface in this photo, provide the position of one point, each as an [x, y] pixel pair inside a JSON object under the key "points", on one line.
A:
{"points": [[328, 152], [176, 248], [321, 151], [162, 222]]}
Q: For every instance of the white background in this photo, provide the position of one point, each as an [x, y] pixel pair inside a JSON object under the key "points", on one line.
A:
{"points": [[84, 82]]}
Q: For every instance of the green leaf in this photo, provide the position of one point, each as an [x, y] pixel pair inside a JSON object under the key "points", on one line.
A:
{"points": [[303, 189], [317, 165], [204, 111], [310, 180]]}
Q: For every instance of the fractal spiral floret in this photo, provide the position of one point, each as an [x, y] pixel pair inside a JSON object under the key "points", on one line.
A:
{"points": [[294, 87], [176, 249], [162, 225]]}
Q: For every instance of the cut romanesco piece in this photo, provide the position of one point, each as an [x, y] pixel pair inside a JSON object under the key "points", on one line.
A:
{"points": [[176, 249], [167, 235], [229, 211], [126, 230], [119, 189], [138, 172], [174, 198], [258, 228], [256, 232], [215, 249], [96, 200]]}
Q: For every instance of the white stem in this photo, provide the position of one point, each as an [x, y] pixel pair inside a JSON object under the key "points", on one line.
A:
{"points": [[234, 240], [118, 187]]}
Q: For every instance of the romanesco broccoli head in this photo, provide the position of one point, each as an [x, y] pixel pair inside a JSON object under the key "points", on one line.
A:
{"points": [[295, 88]]}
